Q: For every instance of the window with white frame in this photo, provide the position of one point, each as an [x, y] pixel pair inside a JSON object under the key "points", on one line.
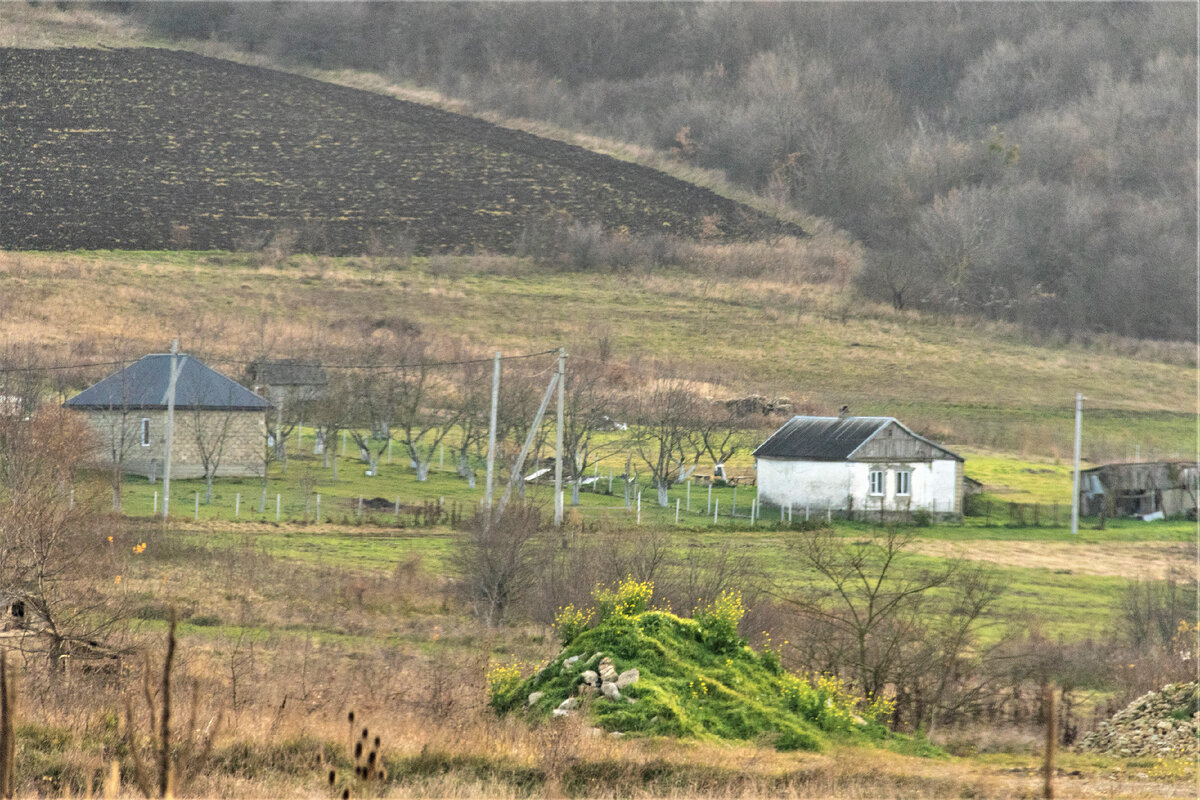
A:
{"points": [[877, 478], [145, 432], [903, 483]]}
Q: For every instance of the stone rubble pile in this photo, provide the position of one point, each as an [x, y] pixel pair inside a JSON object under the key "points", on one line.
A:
{"points": [[603, 680], [1162, 723]]}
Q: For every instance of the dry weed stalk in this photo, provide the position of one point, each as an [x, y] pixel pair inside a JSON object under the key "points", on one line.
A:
{"points": [[176, 769], [369, 772], [7, 736]]}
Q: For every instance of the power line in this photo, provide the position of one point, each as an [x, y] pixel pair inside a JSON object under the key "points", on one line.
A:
{"points": [[416, 365]]}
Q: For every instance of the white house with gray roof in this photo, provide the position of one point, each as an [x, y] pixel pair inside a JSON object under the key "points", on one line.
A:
{"points": [[128, 413], [856, 464]]}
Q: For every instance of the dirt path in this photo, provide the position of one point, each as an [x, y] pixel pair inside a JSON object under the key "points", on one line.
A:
{"points": [[1116, 559]]}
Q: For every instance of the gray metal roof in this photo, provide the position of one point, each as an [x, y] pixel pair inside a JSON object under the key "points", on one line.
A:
{"points": [[820, 438], [144, 383], [829, 438], [287, 372]]}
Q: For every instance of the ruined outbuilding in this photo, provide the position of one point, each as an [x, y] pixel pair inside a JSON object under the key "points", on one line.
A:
{"points": [[1140, 489]]}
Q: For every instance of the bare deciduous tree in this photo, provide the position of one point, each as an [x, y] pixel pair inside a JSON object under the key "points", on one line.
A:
{"points": [[54, 540]]}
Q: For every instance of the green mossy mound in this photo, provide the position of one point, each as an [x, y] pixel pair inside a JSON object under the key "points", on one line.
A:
{"points": [[693, 682]]}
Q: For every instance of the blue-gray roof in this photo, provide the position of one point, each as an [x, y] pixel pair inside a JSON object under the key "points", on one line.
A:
{"points": [[828, 438], [144, 383]]}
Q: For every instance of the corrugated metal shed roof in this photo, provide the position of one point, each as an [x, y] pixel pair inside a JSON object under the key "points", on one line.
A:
{"points": [[144, 383], [820, 438], [288, 372], [830, 438]]}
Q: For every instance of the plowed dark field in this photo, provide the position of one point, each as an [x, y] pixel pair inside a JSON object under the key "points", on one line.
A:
{"points": [[160, 149]]}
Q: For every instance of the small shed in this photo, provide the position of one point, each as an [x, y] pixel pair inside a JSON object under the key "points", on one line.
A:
{"points": [[127, 411], [1137, 489], [850, 464], [287, 380]]}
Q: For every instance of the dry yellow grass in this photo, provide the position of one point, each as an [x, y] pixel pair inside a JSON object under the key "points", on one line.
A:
{"points": [[1132, 560]]}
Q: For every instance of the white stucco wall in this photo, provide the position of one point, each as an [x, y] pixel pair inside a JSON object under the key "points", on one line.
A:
{"points": [[828, 484]]}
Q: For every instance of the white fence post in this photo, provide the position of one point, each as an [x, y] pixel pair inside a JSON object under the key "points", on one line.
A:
{"points": [[277, 504], [156, 502], [197, 517], [716, 510], [318, 509], [639, 509], [237, 505], [676, 510]]}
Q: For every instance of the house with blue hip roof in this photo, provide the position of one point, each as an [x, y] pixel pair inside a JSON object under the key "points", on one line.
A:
{"points": [[220, 425]]}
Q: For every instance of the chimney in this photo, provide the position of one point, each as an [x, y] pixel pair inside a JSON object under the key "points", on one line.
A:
{"points": [[845, 412]]}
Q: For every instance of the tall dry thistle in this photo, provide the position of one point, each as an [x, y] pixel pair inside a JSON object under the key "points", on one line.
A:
{"points": [[369, 772]]}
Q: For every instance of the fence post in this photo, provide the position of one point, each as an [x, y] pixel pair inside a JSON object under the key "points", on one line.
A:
{"points": [[639, 508], [397, 508], [318, 509], [689, 495], [716, 510], [828, 515], [733, 509], [277, 507], [360, 506], [156, 502], [753, 510], [806, 508], [237, 505], [676, 510], [709, 498], [197, 517]]}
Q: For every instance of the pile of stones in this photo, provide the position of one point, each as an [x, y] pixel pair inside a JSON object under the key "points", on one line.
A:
{"points": [[603, 681], [1163, 723]]}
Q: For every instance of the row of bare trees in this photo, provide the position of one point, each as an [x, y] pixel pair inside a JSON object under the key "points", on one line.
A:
{"points": [[431, 400]]}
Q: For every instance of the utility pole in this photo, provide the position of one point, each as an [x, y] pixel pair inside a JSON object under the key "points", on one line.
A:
{"points": [[170, 427], [558, 447], [1075, 492], [491, 454]]}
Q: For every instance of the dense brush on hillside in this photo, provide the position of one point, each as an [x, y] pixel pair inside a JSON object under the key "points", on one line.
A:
{"points": [[1030, 162]]}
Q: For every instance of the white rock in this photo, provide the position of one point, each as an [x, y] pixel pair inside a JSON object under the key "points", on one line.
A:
{"points": [[570, 704], [627, 678], [560, 712], [535, 696], [590, 678], [610, 690], [608, 673]]}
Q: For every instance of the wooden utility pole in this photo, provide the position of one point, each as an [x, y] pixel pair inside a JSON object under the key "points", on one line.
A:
{"points": [[1075, 487], [491, 454], [1051, 739], [170, 427], [558, 447]]}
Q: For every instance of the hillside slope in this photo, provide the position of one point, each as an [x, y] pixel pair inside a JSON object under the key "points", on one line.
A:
{"points": [[153, 149]]}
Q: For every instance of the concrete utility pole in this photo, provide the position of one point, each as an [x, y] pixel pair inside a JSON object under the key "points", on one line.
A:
{"points": [[1075, 492], [491, 454], [170, 426], [558, 446]]}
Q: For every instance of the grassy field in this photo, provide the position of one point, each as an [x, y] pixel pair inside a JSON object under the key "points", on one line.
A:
{"points": [[978, 386]]}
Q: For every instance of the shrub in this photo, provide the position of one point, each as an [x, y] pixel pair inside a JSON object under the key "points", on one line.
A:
{"points": [[570, 621], [719, 620], [503, 680], [922, 518], [626, 599]]}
